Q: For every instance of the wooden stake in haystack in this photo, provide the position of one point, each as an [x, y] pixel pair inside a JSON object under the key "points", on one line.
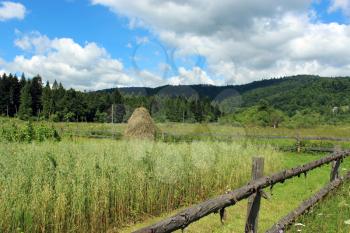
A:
{"points": [[141, 125]]}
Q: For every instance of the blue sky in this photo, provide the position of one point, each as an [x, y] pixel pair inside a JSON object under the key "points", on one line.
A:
{"points": [[154, 43], [76, 19]]}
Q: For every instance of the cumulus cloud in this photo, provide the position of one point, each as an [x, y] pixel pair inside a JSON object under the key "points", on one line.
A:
{"points": [[343, 5], [33, 42], [197, 16], [87, 66], [241, 41], [248, 40], [194, 76], [11, 10]]}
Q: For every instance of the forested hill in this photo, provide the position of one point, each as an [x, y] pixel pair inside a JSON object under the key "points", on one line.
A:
{"points": [[292, 100], [202, 90], [288, 94], [303, 92]]}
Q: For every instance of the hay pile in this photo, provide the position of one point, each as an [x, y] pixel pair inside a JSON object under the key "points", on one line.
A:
{"points": [[141, 125]]}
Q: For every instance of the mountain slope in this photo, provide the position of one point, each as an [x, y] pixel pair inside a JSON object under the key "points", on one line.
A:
{"points": [[289, 94]]}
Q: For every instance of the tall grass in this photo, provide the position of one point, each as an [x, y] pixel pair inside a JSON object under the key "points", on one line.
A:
{"points": [[332, 215], [97, 185]]}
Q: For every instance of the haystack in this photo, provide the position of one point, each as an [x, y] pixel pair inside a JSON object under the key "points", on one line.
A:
{"points": [[141, 125]]}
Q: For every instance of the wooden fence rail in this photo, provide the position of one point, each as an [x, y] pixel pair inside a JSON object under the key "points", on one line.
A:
{"points": [[218, 204], [262, 136], [112, 134], [282, 224]]}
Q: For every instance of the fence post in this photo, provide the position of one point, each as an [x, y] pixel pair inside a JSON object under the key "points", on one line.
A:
{"points": [[254, 200], [298, 143], [335, 166]]}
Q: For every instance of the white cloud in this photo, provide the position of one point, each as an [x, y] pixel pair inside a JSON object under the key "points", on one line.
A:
{"points": [[343, 5], [242, 41], [142, 40], [11, 10], [188, 77], [185, 77], [83, 67], [33, 42], [87, 67], [199, 16], [248, 40]]}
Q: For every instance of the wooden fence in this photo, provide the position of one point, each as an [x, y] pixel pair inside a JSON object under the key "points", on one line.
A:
{"points": [[254, 191], [183, 137]]}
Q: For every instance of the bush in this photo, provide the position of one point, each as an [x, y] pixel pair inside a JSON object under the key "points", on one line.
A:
{"points": [[28, 133], [54, 118]]}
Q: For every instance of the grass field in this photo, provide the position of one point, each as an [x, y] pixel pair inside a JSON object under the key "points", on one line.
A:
{"points": [[87, 185], [331, 216], [211, 129], [285, 197], [96, 185]]}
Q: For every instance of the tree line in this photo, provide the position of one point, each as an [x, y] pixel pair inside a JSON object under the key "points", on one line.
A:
{"points": [[299, 101], [31, 99]]}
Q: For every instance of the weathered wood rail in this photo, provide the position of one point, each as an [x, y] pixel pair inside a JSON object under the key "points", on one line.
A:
{"points": [[218, 204], [297, 147], [111, 134], [262, 136], [282, 224]]}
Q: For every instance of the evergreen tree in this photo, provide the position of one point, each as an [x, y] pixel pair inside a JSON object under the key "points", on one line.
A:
{"points": [[23, 81], [25, 108], [118, 110], [14, 95], [116, 97], [36, 92], [4, 86], [55, 85], [47, 101]]}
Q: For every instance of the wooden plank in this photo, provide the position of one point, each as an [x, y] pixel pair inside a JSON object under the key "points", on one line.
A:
{"points": [[255, 199], [282, 224], [192, 214]]}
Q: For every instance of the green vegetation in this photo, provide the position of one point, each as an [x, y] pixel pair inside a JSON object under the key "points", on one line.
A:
{"points": [[284, 198], [332, 215], [29, 99], [293, 102], [26, 132], [91, 186]]}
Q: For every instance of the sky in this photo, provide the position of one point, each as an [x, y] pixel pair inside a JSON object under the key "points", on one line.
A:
{"points": [[98, 44]]}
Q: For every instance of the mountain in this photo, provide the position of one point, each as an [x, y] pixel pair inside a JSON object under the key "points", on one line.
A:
{"points": [[202, 90], [303, 93], [289, 94]]}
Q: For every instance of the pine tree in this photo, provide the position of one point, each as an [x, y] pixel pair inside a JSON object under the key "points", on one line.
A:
{"points": [[116, 97], [47, 101], [3, 94], [36, 92], [23, 81], [55, 85], [25, 109], [118, 107], [14, 95]]}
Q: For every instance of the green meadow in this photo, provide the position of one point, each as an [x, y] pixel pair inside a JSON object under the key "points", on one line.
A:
{"points": [[76, 183]]}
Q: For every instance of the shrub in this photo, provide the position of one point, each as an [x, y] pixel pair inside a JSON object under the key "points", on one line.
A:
{"points": [[28, 132]]}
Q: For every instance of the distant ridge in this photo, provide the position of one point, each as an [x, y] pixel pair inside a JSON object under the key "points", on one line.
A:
{"points": [[289, 94], [206, 90]]}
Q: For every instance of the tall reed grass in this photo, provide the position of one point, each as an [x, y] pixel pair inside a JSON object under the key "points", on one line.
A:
{"points": [[98, 185]]}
